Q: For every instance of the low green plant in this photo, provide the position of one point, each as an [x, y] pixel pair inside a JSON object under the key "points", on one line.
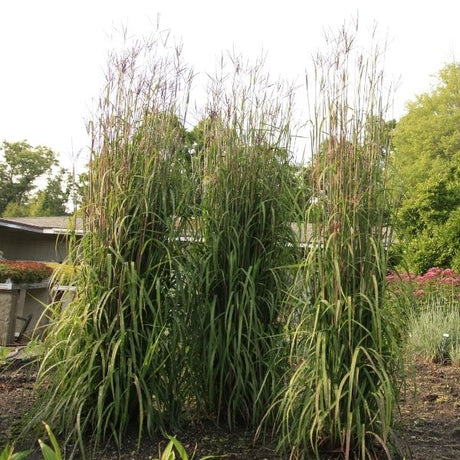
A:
{"points": [[8, 453], [48, 453], [174, 446], [53, 452], [28, 351], [4, 352], [434, 332]]}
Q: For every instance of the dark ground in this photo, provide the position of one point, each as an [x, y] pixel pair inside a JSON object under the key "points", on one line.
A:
{"points": [[429, 424]]}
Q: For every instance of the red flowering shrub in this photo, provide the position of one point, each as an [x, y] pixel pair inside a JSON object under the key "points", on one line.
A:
{"points": [[24, 272], [436, 280]]}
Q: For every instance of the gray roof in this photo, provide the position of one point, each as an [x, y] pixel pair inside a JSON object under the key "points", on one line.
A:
{"points": [[56, 225]]}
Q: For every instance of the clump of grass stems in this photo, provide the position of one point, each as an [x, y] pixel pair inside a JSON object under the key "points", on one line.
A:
{"points": [[247, 241], [434, 331], [116, 355], [342, 391], [158, 326]]}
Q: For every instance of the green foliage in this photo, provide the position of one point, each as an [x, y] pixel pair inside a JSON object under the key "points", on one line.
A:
{"points": [[428, 225], [237, 272], [117, 353], [169, 453], [341, 389], [22, 165], [49, 453], [24, 272], [427, 157], [50, 201], [8, 453]]}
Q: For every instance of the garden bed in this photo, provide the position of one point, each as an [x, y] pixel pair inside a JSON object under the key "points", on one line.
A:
{"points": [[429, 421]]}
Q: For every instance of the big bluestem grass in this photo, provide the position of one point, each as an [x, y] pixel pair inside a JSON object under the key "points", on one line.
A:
{"points": [[216, 322], [116, 354], [239, 269], [342, 392]]}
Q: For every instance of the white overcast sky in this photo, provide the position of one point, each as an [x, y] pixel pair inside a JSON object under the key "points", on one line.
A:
{"points": [[53, 53]]}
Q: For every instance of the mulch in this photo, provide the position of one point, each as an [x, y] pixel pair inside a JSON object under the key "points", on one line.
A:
{"points": [[428, 424]]}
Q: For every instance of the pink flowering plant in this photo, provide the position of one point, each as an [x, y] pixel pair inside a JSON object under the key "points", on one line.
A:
{"points": [[430, 307], [24, 271], [439, 282]]}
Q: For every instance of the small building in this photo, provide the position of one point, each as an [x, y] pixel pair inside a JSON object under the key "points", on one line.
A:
{"points": [[43, 239]]}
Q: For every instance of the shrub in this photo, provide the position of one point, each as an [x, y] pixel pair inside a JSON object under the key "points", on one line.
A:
{"points": [[428, 248], [430, 304], [435, 282], [434, 332], [24, 272]]}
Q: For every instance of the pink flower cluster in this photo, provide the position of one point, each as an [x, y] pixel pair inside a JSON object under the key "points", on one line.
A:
{"points": [[435, 280], [24, 272]]}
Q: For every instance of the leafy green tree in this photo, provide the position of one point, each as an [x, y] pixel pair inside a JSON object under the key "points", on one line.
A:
{"points": [[49, 201], [426, 160], [20, 168], [78, 189], [53, 199]]}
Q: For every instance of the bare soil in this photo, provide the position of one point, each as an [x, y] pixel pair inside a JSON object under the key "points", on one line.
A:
{"points": [[428, 426], [430, 412]]}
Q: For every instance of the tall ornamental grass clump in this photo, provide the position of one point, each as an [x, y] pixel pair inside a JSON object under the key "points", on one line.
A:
{"points": [[240, 277], [342, 392], [116, 354]]}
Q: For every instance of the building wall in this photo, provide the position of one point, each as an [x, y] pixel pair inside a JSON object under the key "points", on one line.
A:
{"points": [[22, 245], [35, 304], [8, 301], [20, 304]]}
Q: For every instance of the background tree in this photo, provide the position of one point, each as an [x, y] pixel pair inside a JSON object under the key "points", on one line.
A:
{"points": [[426, 158], [20, 169], [78, 189], [52, 200], [54, 197]]}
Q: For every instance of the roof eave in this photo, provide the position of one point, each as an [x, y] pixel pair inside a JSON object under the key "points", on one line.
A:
{"points": [[35, 229]]}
